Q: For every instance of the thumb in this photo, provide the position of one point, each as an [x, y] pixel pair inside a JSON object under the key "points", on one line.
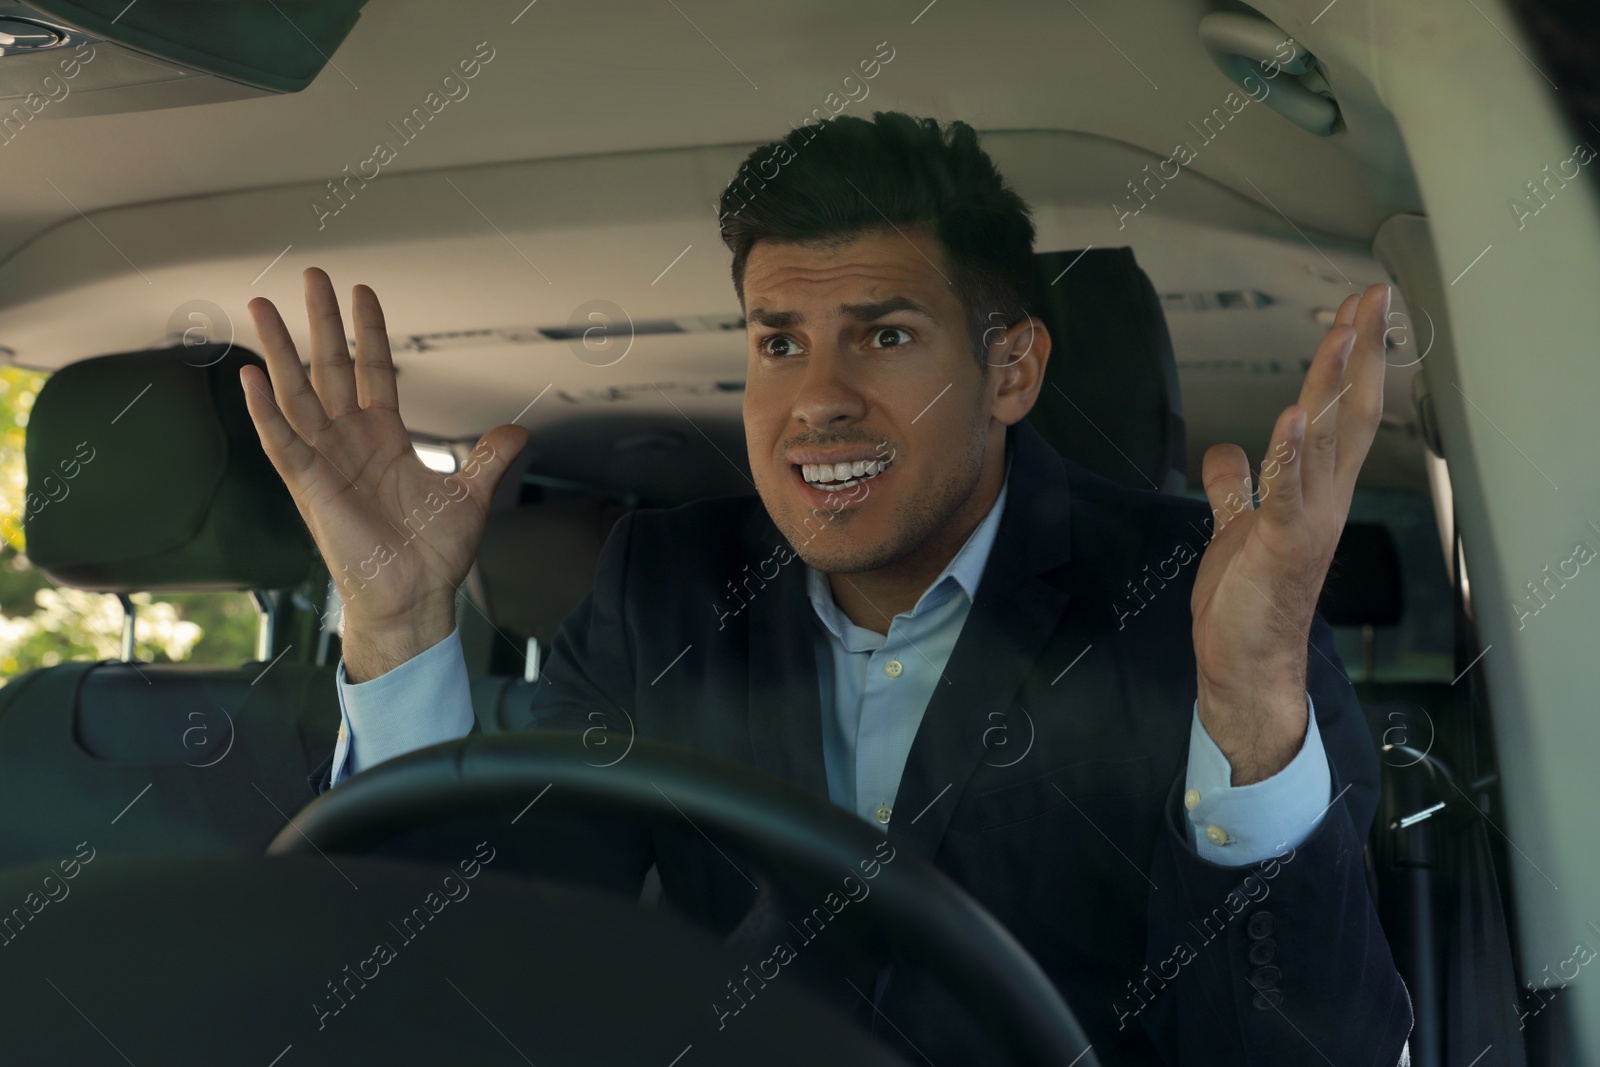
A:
{"points": [[491, 457], [1225, 473]]}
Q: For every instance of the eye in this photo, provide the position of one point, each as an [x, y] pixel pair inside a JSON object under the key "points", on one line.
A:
{"points": [[779, 346], [889, 337]]}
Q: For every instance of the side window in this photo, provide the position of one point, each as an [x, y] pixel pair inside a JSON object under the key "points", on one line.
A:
{"points": [[42, 624]]}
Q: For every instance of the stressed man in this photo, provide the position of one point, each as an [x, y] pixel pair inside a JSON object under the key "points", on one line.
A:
{"points": [[1181, 848]]}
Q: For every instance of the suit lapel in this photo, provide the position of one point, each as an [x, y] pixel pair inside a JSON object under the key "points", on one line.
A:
{"points": [[1019, 604], [784, 708]]}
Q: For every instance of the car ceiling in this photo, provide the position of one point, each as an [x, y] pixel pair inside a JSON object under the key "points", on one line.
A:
{"points": [[578, 176]]}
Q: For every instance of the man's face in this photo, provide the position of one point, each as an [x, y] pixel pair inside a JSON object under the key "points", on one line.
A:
{"points": [[859, 354]]}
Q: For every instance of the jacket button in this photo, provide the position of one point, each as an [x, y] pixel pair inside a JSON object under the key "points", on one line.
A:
{"points": [[1265, 978], [1262, 951], [1266, 1000], [1260, 925]]}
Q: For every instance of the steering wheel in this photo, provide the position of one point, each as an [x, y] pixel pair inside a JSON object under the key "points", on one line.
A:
{"points": [[796, 839]]}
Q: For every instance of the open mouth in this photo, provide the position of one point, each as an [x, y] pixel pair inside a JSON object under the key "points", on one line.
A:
{"points": [[832, 477]]}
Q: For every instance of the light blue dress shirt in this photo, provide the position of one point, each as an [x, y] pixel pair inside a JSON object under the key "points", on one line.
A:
{"points": [[873, 689], [875, 686]]}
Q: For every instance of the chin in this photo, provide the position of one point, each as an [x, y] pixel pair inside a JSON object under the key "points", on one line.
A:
{"points": [[846, 557], [849, 541]]}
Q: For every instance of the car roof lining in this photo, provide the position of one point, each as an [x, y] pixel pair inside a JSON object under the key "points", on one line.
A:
{"points": [[526, 199], [567, 233]]}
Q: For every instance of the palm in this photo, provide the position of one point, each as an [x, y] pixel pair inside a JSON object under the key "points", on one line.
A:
{"points": [[396, 535], [1256, 589], [367, 490]]}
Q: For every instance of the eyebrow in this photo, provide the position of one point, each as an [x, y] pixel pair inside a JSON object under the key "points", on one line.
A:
{"points": [[782, 320]]}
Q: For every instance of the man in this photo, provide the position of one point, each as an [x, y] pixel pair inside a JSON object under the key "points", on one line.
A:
{"points": [[1181, 846]]}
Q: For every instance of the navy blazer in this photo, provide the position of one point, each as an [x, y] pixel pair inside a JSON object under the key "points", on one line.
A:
{"points": [[1070, 831]]}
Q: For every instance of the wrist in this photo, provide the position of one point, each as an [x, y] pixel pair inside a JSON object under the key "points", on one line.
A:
{"points": [[1259, 729], [371, 648]]}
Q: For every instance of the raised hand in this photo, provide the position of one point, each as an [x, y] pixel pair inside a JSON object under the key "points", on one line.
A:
{"points": [[1257, 587], [398, 537]]}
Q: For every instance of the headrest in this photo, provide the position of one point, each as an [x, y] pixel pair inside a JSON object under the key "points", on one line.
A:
{"points": [[145, 473], [538, 561], [1110, 401], [1363, 587]]}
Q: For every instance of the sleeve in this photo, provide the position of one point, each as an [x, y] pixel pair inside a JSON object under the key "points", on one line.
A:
{"points": [[1274, 962], [1237, 825], [425, 700]]}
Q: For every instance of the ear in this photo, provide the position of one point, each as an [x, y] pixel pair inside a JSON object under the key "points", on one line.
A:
{"points": [[1015, 359]]}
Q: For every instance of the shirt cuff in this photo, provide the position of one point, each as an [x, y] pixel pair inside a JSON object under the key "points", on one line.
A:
{"points": [[425, 700], [1235, 826]]}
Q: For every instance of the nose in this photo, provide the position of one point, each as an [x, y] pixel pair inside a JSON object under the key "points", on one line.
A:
{"points": [[828, 396]]}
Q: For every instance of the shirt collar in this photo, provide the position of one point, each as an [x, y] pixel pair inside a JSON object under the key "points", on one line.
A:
{"points": [[963, 572]]}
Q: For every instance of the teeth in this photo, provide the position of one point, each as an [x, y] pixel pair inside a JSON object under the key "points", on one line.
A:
{"points": [[842, 475]]}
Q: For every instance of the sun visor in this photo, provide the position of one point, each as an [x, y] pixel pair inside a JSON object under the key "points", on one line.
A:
{"points": [[145, 473], [63, 58]]}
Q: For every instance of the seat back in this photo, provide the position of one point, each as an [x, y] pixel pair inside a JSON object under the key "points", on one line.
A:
{"points": [[153, 480], [538, 561], [158, 758]]}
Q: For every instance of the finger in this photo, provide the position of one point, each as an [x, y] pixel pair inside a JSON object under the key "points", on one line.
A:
{"points": [[332, 373], [1346, 315], [1225, 473], [1361, 410], [1320, 395], [291, 457], [1282, 486], [290, 388], [375, 384], [490, 459]]}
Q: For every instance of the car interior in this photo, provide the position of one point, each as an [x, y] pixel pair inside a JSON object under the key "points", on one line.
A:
{"points": [[546, 250]]}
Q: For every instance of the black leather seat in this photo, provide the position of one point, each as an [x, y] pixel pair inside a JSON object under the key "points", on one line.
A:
{"points": [[1110, 401], [170, 492], [1423, 857]]}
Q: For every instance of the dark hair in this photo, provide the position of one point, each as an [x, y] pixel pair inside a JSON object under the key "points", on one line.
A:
{"points": [[845, 176]]}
